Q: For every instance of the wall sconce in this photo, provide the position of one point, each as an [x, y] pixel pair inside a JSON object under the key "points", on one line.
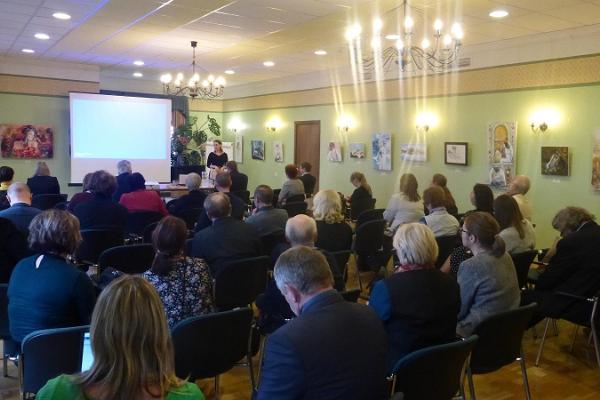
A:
{"points": [[541, 120], [236, 125], [273, 124], [345, 123], [424, 121]]}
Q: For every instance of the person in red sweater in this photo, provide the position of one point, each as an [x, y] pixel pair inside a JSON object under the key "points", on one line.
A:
{"points": [[140, 199]]}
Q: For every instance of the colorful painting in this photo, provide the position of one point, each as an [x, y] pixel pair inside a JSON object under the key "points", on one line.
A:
{"points": [[258, 149], [382, 151], [502, 153], [357, 150], [413, 152], [27, 141], [555, 161], [278, 151], [334, 152]]}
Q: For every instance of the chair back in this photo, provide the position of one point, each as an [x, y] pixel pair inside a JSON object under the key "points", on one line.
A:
{"points": [[211, 344], [4, 331], [243, 194], [341, 258], [294, 208], [63, 205], [190, 216], [434, 372], [269, 242], [445, 245], [276, 196], [137, 221], [500, 339], [47, 201], [522, 263], [369, 237], [351, 295], [188, 246], [239, 283], [95, 241], [131, 259], [295, 198], [359, 206], [48, 353], [148, 231], [369, 215]]}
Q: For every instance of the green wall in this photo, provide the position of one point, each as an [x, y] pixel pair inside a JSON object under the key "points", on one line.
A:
{"points": [[461, 118]]}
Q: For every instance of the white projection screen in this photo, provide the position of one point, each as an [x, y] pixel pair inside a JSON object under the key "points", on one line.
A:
{"points": [[106, 129]]}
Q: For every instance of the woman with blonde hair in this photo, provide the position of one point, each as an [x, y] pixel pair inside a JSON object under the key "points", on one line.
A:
{"points": [[41, 182], [405, 206], [126, 369], [333, 233]]}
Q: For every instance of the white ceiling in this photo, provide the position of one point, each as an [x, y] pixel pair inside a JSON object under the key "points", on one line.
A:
{"points": [[241, 34]]}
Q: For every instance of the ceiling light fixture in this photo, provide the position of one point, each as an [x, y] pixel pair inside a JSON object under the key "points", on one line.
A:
{"points": [[435, 55], [28, 51], [230, 72], [138, 74], [321, 52], [209, 88], [42, 36], [498, 14], [61, 15], [268, 63], [139, 63]]}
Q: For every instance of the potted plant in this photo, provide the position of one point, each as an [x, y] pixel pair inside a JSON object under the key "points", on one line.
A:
{"points": [[182, 152]]}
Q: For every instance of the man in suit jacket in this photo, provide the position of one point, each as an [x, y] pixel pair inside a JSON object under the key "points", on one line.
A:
{"points": [[573, 269], [307, 179], [227, 239], [20, 212], [13, 247], [266, 219], [42, 182], [238, 206], [239, 181], [315, 356], [123, 185]]}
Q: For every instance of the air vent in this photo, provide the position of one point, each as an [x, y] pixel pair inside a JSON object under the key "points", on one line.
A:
{"points": [[464, 62]]}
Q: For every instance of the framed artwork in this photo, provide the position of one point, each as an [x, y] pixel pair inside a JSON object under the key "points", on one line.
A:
{"points": [[357, 150], [278, 151], [413, 152], [555, 161], [26, 141], [238, 149], [382, 151], [456, 153], [502, 153], [258, 149], [334, 152]]}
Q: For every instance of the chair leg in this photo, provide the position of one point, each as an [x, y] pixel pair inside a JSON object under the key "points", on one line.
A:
{"points": [[261, 353], [217, 392], [595, 339], [524, 373], [251, 371], [541, 348], [471, 385], [573, 339], [360, 286]]}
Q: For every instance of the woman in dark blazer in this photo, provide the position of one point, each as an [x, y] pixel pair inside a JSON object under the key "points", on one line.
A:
{"points": [[41, 182], [333, 233]]}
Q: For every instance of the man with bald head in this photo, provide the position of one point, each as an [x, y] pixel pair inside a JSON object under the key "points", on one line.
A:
{"points": [[227, 239], [518, 188], [20, 212]]}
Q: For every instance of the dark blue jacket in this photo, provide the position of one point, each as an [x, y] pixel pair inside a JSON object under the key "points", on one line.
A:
{"points": [[123, 186], [43, 185], [100, 212], [21, 215], [238, 207], [334, 350]]}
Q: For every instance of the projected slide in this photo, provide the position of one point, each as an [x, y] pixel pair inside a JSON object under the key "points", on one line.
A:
{"points": [[106, 129]]}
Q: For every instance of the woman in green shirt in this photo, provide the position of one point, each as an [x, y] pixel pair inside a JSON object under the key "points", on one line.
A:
{"points": [[125, 369]]}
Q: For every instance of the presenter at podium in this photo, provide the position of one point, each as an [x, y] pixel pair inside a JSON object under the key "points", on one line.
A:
{"points": [[217, 158]]}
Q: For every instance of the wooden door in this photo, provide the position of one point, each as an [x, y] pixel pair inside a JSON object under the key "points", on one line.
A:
{"points": [[307, 145]]}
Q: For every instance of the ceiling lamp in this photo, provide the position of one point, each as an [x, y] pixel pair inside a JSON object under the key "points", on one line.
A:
{"points": [[209, 88], [434, 55]]}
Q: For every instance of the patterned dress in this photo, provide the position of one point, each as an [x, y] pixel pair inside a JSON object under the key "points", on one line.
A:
{"points": [[186, 291]]}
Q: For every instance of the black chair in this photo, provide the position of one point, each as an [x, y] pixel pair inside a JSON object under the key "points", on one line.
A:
{"points": [[137, 221], [188, 246], [239, 283], [275, 196], [243, 194], [368, 247], [499, 344], [95, 241], [47, 201], [359, 206], [369, 215], [148, 231], [48, 353], [190, 216], [295, 207], [295, 198], [4, 331], [170, 204], [209, 345], [131, 259], [341, 258], [445, 245], [434, 372], [63, 205], [269, 242], [522, 263], [351, 295]]}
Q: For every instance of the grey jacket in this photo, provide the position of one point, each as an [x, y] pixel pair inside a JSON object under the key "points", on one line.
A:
{"points": [[268, 220]]}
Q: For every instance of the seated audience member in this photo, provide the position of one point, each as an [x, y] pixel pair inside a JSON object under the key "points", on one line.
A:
{"points": [[518, 233], [308, 358], [333, 233], [488, 280], [100, 211], [405, 206], [6, 176], [20, 212], [438, 220], [183, 283], [449, 202], [83, 196], [227, 239], [46, 291], [291, 187], [418, 304], [363, 189], [41, 182], [123, 181], [239, 181], [140, 199], [238, 206], [518, 188], [195, 197], [266, 219], [13, 247], [573, 269], [125, 369], [308, 180]]}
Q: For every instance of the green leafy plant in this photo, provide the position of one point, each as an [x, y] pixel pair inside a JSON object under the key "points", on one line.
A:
{"points": [[182, 154]]}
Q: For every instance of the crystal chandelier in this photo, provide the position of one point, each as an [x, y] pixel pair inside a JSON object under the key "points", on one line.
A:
{"points": [[209, 88], [435, 56]]}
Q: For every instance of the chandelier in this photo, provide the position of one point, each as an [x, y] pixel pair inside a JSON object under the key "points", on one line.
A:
{"points": [[209, 88], [435, 56]]}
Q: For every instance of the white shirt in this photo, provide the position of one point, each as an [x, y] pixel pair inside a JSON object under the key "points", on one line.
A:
{"points": [[400, 210], [441, 223], [514, 243]]}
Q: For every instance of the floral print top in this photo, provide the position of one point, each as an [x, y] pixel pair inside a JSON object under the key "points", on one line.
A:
{"points": [[186, 291]]}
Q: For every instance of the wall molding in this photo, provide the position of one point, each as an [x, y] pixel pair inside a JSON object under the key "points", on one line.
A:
{"points": [[18, 84]]}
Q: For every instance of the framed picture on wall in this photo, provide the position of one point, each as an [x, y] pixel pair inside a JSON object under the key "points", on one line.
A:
{"points": [[456, 153], [258, 149], [27, 141], [555, 161], [413, 152], [278, 151], [357, 150]]}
